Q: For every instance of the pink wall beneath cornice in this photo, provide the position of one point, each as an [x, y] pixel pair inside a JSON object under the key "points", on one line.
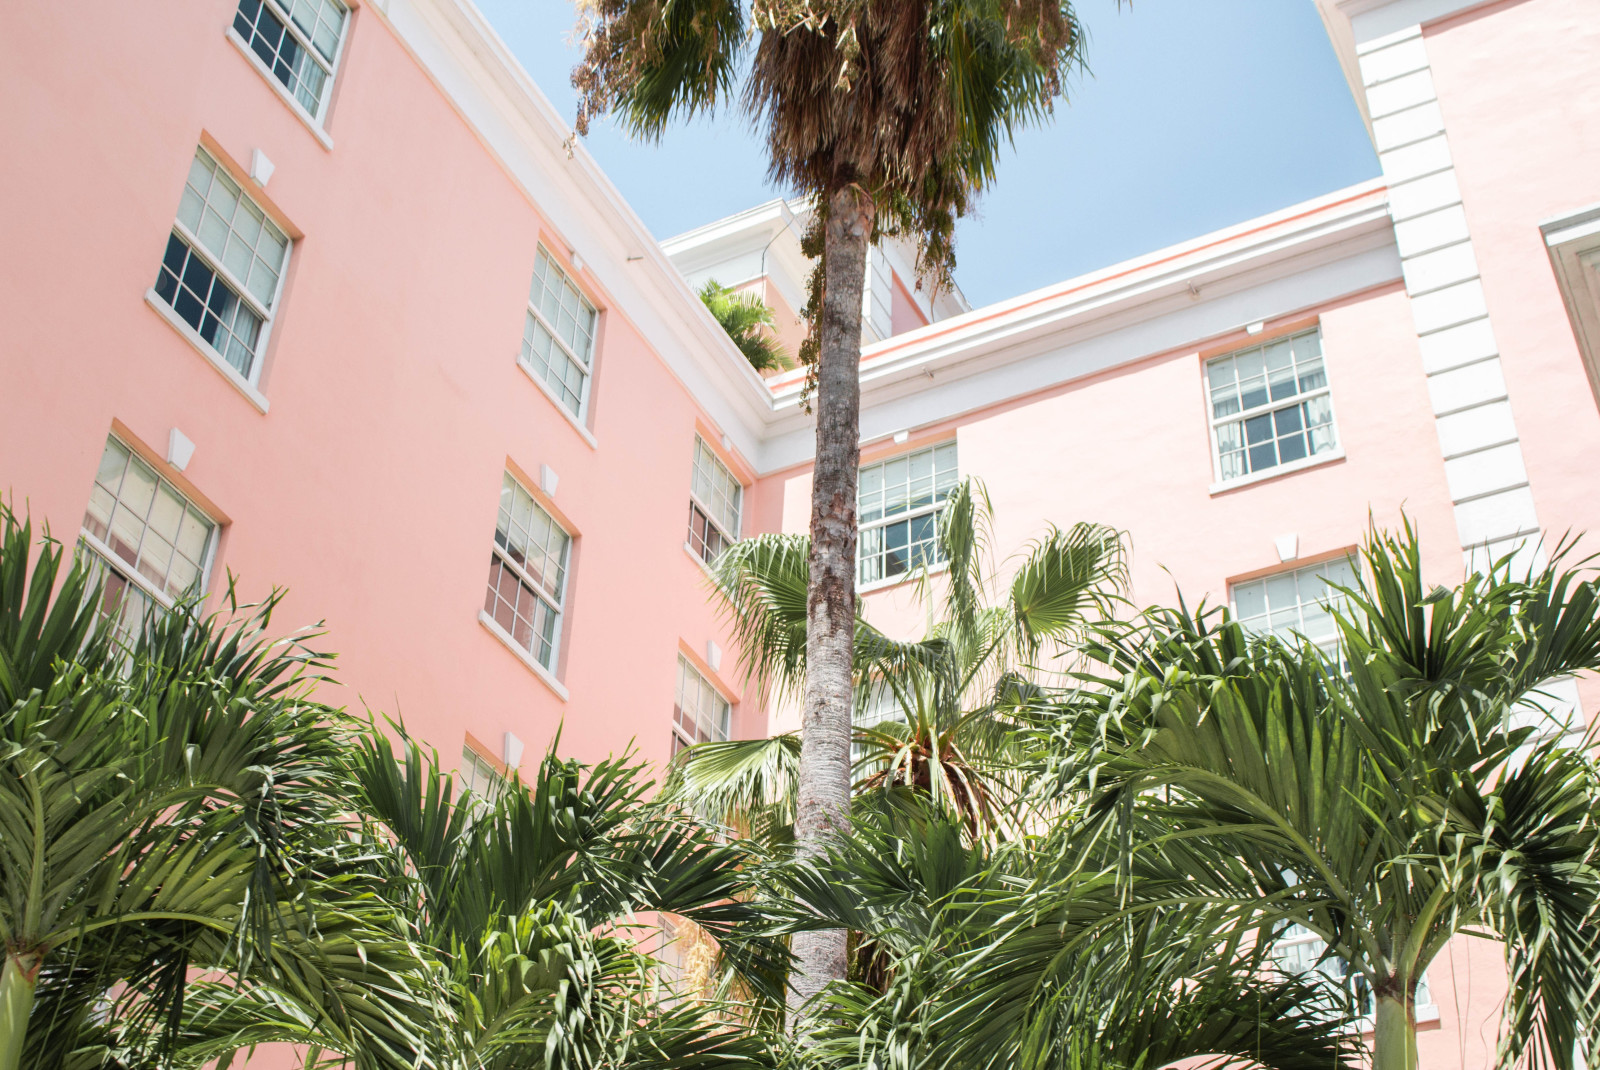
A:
{"points": [[370, 488]]}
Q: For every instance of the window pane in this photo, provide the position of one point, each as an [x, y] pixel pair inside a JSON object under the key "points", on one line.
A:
{"points": [[1275, 376], [147, 523], [302, 71], [916, 484]]}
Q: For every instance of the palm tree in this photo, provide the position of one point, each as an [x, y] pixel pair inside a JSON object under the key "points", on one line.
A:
{"points": [[1385, 801], [1036, 953], [748, 321], [944, 711], [524, 903], [889, 115], [164, 815]]}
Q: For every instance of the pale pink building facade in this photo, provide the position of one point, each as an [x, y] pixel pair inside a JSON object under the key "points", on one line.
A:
{"points": [[411, 359]]}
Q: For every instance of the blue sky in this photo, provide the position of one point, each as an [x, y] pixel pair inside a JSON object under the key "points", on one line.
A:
{"points": [[1196, 114]]}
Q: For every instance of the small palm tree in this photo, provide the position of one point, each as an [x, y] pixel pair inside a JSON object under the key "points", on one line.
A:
{"points": [[525, 903], [889, 115], [1385, 802], [944, 710], [1037, 953], [164, 816], [748, 321]]}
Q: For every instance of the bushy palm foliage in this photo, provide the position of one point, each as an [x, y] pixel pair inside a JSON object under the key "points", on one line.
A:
{"points": [[527, 903], [163, 809], [748, 321], [1037, 954], [951, 702], [1387, 800], [196, 858]]}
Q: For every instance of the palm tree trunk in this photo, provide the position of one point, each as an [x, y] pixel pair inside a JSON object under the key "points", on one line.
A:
{"points": [[824, 777], [1394, 1040], [18, 979]]}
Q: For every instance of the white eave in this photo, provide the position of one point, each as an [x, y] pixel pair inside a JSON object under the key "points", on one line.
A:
{"points": [[517, 123], [1242, 263]]}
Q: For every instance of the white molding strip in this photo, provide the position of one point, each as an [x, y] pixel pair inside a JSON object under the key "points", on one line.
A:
{"points": [[1484, 469]]}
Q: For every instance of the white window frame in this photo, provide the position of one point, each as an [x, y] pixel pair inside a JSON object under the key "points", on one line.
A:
{"points": [[1215, 422], [706, 510], [197, 248], [315, 118], [1297, 936], [935, 508], [581, 416], [479, 776], [1331, 646], [720, 733], [130, 574], [1573, 243], [557, 606]]}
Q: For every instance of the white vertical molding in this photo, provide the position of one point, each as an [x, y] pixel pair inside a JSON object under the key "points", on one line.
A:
{"points": [[1484, 470]]}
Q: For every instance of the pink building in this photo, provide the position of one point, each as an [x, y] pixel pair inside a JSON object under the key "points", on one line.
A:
{"points": [[363, 327]]}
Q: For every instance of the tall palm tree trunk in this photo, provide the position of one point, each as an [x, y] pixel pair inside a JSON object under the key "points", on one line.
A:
{"points": [[1394, 1034], [823, 801]]}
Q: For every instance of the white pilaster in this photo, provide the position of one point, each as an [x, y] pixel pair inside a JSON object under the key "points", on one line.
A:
{"points": [[1484, 470]]}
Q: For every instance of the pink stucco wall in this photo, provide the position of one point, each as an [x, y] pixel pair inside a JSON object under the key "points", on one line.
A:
{"points": [[370, 487], [1131, 448]]}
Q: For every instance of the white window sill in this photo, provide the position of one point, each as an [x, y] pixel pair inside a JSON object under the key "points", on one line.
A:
{"points": [[130, 574], [544, 674], [902, 578], [1301, 465], [697, 559], [562, 409], [284, 95], [202, 347]]}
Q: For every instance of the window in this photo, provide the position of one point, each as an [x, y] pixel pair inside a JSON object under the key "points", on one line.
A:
{"points": [[299, 41], [700, 713], [479, 776], [527, 574], [1300, 951], [1295, 602], [900, 501], [142, 538], [558, 336], [715, 497], [1270, 406], [1573, 243], [222, 267]]}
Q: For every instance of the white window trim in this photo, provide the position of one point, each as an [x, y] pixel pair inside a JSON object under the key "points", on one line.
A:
{"points": [[268, 311], [1311, 460], [545, 676], [711, 682], [1366, 1023], [299, 109], [694, 556], [902, 577], [577, 425], [580, 417], [705, 509], [1573, 243], [1316, 461], [885, 521], [204, 348], [539, 592], [132, 574]]}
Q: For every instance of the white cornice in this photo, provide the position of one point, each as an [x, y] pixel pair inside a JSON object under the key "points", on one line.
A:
{"points": [[1310, 253], [517, 123], [1265, 269]]}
